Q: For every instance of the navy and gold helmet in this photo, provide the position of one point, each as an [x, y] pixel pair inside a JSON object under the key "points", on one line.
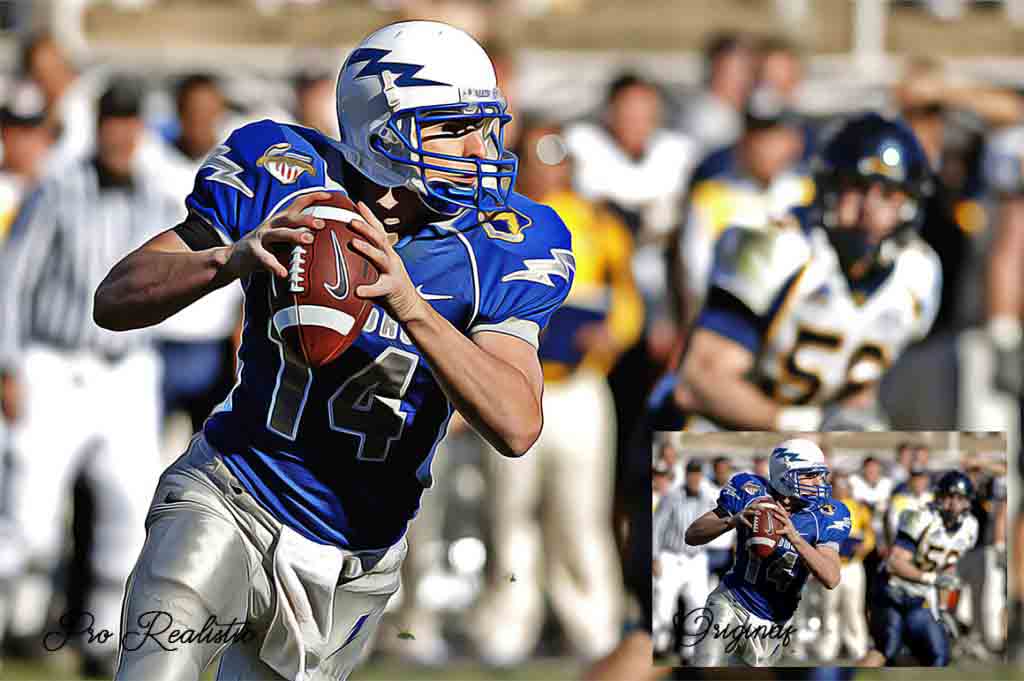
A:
{"points": [[870, 149], [954, 483]]}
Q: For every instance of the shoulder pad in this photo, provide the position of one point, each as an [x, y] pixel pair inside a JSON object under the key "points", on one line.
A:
{"points": [[754, 265], [749, 485], [914, 521]]}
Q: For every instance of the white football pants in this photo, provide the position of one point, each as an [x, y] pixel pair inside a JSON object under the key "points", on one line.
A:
{"points": [[569, 472], [81, 414]]}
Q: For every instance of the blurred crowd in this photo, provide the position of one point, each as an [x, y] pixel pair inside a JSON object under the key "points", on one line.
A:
{"points": [[833, 625], [645, 184]]}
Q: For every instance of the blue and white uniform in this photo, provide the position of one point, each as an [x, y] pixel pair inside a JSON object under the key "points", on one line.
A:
{"points": [[342, 454], [816, 336], [764, 592]]}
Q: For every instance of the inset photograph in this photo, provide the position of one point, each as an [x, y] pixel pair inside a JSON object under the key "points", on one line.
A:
{"points": [[850, 549]]}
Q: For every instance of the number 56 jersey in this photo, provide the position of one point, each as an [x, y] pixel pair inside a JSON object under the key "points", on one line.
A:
{"points": [[816, 335], [934, 547], [342, 453]]}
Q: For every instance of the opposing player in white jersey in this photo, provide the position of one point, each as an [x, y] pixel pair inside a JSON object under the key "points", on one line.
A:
{"points": [[747, 619], [800, 324], [921, 567]]}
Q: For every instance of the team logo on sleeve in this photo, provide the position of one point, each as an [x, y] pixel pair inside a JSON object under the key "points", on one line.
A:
{"points": [[752, 488], [285, 165], [507, 225], [843, 524], [540, 270], [827, 509], [225, 170]]}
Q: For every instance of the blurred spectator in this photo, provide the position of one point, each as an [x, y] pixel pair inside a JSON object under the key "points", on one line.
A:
{"points": [[26, 139], [566, 482], [70, 97], [680, 571], [755, 188], [904, 458], [661, 482], [669, 454], [198, 344], [714, 117], [722, 471], [104, 385], [781, 69], [201, 108], [761, 466], [315, 103], [983, 568], [506, 71], [720, 549], [872, 489], [842, 608], [639, 169], [914, 495]]}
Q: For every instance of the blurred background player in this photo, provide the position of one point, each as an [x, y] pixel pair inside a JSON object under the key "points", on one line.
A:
{"points": [[105, 385], [914, 494], [26, 139], [921, 567], [842, 608], [714, 118], [757, 189], [551, 509], [632, 161], [197, 345], [680, 570], [791, 306], [983, 568]]}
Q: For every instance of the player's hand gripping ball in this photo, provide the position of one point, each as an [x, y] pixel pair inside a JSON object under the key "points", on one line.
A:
{"points": [[316, 310], [765, 530]]}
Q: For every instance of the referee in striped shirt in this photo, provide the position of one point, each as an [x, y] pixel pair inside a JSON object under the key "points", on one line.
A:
{"points": [[80, 399], [679, 569]]}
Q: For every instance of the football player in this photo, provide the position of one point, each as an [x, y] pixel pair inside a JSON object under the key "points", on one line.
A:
{"points": [[758, 596], [800, 323], [289, 510], [921, 567]]}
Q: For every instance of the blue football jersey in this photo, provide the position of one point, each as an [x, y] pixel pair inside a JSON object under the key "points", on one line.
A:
{"points": [[770, 588], [343, 453]]}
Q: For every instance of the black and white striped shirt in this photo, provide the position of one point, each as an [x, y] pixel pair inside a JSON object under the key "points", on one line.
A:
{"points": [[68, 234], [675, 513]]}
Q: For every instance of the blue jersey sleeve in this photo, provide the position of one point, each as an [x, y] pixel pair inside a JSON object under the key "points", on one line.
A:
{"points": [[254, 173], [835, 523], [523, 282], [742, 489]]}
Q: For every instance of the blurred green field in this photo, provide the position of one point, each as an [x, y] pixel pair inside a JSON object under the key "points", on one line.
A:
{"points": [[547, 669], [550, 669]]}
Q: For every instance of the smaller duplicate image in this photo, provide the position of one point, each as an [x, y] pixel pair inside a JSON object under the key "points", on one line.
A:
{"points": [[848, 549]]}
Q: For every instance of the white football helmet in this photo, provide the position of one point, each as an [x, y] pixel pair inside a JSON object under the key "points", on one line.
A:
{"points": [[411, 75], [795, 458]]}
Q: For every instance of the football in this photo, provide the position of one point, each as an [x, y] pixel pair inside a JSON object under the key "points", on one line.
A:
{"points": [[765, 531], [315, 310]]}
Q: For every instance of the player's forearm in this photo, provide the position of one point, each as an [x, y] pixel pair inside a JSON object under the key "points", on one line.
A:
{"points": [[727, 398], [493, 396], [148, 286], [707, 528], [903, 567], [824, 566]]}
